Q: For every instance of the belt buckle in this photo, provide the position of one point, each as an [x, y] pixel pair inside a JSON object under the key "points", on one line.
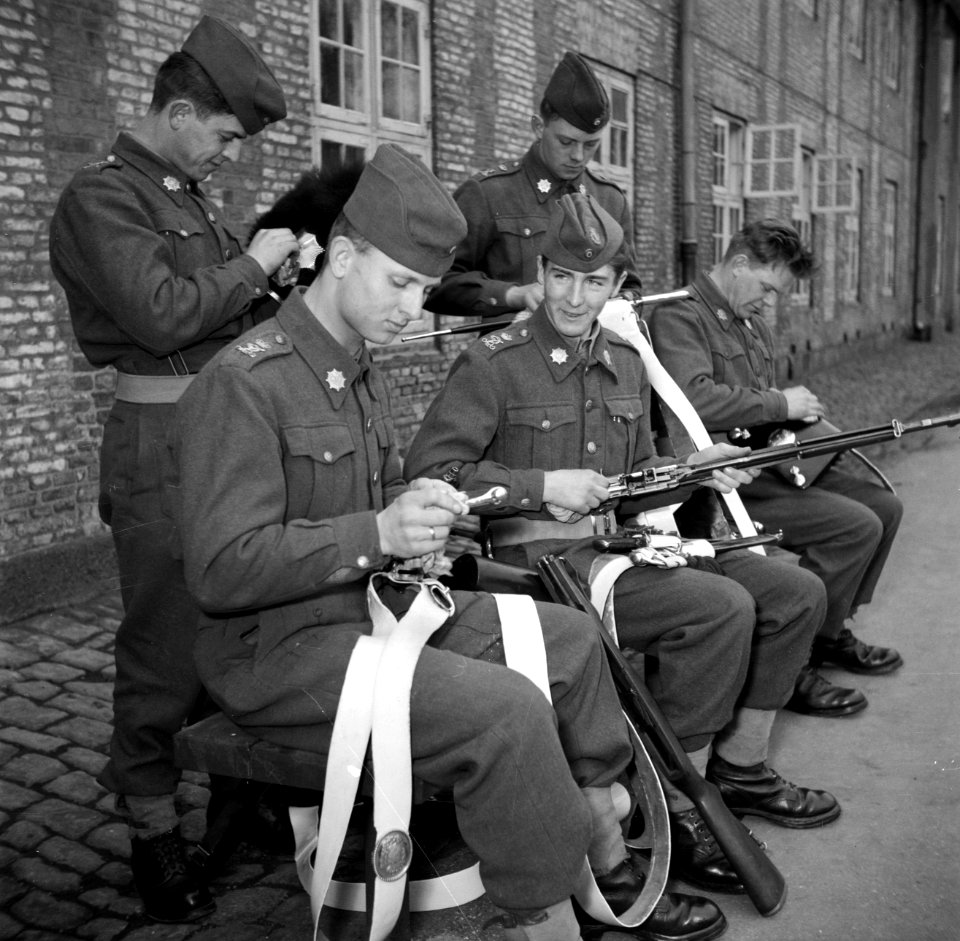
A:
{"points": [[403, 573]]}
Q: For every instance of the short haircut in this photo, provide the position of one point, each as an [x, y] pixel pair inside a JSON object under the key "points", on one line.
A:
{"points": [[181, 76], [343, 226], [547, 111], [618, 262], [769, 242]]}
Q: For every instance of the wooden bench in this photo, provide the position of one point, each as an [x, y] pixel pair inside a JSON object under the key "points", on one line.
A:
{"points": [[218, 747]]}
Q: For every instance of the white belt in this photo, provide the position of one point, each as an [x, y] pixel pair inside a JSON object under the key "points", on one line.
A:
{"points": [[518, 529], [150, 390]]}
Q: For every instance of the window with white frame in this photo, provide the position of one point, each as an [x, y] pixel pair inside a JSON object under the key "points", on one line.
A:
{"points": [[371, 77], [614, 156], [855, 26], [728, 201], [891, 42], [773, 160], [802, 218], [848, 243], [888, 238], [835, 183]]}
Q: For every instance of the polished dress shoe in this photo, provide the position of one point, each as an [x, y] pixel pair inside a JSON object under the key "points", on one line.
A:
{"points": [[169, 894], [760, 791], [853, 655], [695, 856], [814, 695], [676, 917]]}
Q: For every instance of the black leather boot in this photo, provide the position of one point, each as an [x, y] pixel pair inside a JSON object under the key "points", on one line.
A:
{"points": [[760, 791], [168, 893], [677, 917], [814, 695], [853, 655], [695, 856]]}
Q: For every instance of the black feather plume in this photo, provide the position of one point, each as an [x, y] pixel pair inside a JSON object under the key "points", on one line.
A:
{"points": [[314, 203]]}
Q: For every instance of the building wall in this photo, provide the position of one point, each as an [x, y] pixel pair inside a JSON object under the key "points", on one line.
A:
{"points": [[73, 74]]}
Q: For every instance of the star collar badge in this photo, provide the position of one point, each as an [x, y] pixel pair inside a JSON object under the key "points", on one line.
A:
{"points": [[336, 380], [543, 185], [171, 183], [558, 355], [583, 190], [721, 315]]}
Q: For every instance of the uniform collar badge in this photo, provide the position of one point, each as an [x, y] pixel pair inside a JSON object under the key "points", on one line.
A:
{"points": [[583, 189], [558, 355], [606, 358], [543, 185], [721, 315], [171, 183], [336, 380]]}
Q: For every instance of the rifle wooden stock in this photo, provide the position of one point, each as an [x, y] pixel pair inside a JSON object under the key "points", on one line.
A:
{"points": [[659, 479], [762, 880]]}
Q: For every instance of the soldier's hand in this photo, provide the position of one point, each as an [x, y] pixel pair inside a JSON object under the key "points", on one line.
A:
{"points": [[727, 478], [419, 520], [525, 296], [802, 403], [577, 490], [270, 248]]}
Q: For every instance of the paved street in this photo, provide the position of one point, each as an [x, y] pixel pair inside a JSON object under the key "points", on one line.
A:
{"points": [[887, 870]]}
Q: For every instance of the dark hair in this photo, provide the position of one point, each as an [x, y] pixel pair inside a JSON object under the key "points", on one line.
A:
{"points": [[618, 262], [547, 111], [769, 242], [343, 226], [181, 76]]}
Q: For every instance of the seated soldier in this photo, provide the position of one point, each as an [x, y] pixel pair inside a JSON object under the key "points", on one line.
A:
{"points": [[718, 346], [291, 495], [547, 409]]}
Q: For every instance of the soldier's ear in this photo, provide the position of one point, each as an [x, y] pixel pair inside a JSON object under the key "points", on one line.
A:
{"points": [[536, 124], [540, 272], [178, 111], [340, 252], [738, 263]]}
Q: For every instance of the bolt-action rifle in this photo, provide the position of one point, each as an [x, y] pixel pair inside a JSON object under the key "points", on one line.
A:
{"points": [[659, 479]]}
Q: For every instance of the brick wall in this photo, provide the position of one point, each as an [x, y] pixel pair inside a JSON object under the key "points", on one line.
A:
{"points": [[73, 74]]}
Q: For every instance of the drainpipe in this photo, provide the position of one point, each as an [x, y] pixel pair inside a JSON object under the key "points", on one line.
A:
{"points": [[688, 146], [919, 329]]}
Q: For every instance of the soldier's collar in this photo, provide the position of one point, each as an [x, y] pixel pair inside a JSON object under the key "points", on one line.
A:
{"points": [[543, 183], [710, 295], [563, 357], [335, 367], [166, 176]]}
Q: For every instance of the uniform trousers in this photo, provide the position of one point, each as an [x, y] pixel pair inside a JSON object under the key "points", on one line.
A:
{"points": [[842, 527], [515, 763], [717, 641], [156, 687]]}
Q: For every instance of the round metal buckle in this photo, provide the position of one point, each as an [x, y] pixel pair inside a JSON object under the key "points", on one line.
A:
{"points": [[392, 855]]}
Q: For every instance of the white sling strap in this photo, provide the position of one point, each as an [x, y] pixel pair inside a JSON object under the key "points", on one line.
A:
{"points": [[374, 702], [620, 317], [525, 652]]}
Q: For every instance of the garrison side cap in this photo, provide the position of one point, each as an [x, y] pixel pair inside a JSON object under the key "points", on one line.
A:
{"points": [[576, 94], [239, 72], [401, 208], [581, 235]]}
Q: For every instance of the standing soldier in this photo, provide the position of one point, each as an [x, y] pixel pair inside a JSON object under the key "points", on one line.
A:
{"points": [[507, 208], [156, 284]]}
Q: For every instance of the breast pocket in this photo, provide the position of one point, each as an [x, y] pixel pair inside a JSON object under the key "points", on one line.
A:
{"points": [[541, 436], [520, 238], [320, 466], [624, 414], [184, 236]]}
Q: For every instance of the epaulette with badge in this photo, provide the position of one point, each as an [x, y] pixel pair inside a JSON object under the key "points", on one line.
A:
{"points": [[501, 169], [111, 160], [259, 348], [514, 335]]}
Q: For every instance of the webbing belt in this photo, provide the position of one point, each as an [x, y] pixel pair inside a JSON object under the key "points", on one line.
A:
{"points": [[619, 316]]}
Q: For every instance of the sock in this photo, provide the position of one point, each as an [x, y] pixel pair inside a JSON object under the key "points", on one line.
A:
{"points": [[677, 801], [745, 740], [147, 817]]}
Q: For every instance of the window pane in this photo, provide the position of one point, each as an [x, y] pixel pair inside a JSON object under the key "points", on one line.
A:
{"points": [[618, 106], [330, 93], [330, 19], [353, 82], [353, 24], [411, 37], [391, 90], [389, 44], [411, 95]]}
